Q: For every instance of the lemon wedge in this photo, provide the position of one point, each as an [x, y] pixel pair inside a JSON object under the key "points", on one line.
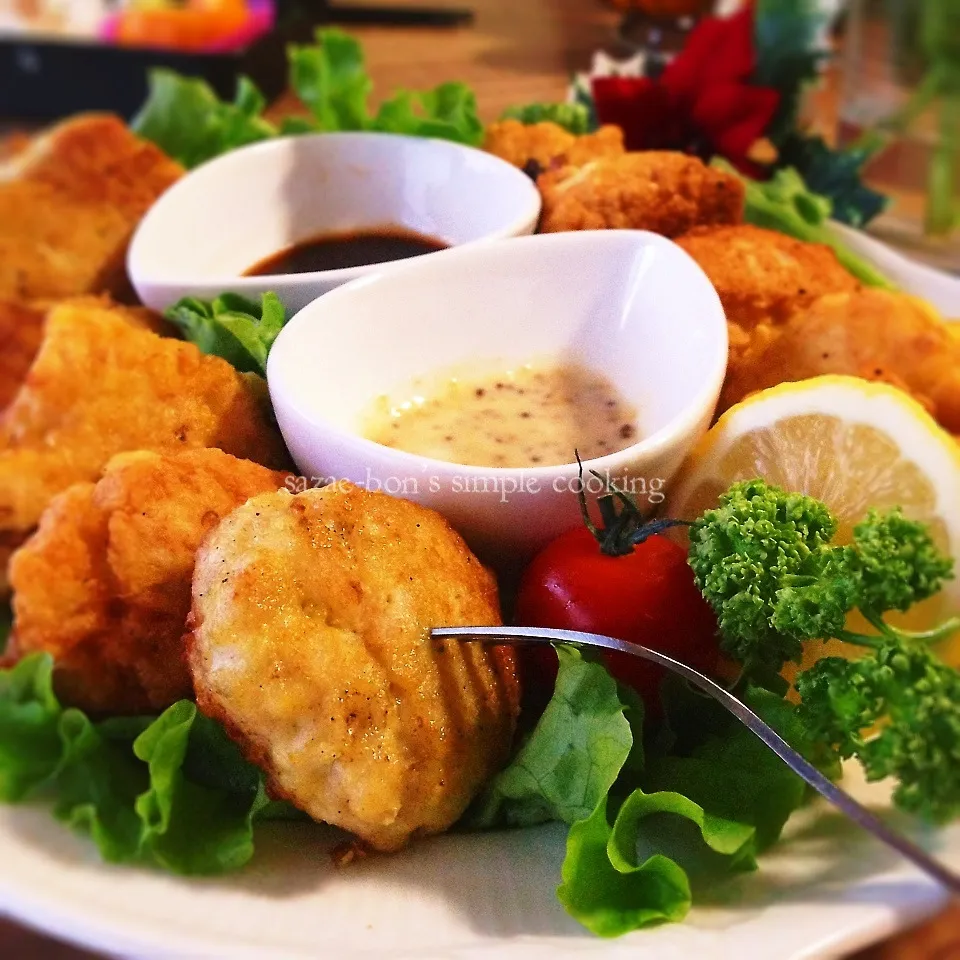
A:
{"points": [[854, 445]]}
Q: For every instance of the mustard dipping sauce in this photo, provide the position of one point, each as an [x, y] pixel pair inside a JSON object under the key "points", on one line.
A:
{"points": [[534, 415]]}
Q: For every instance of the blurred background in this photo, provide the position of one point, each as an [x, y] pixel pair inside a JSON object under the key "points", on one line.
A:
{"points": [[868, 108], [879, 79]]}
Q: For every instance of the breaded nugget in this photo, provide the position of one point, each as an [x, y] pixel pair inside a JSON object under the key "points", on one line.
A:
{"points": [[668, 193], [101, 386], [548, 144], [21, 331], [310, 642], [104, 584], [763, 276], [69, 204], [871, 333]]}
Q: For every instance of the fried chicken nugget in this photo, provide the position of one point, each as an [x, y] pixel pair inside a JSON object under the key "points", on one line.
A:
{"points": [[310, 642], [101, 386], [69, 203], [871, 333], [763, 276], [21, 332], [668, 193], [104, 584], [548, 144]]}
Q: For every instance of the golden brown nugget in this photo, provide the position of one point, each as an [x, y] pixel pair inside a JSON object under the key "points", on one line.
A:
{"points": [[310, 643], [548, 144], [871, 333], [668, 193], [104, 584], [763, 276], [21, 333], [69, 203], [101, 386]]}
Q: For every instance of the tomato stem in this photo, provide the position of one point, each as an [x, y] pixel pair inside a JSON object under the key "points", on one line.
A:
{"points": [[623, 525]]}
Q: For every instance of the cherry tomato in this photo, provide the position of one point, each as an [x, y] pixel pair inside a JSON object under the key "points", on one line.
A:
{"points": [[646, 596]]}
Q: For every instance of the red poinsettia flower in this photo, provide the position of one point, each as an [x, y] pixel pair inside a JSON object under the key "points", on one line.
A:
{"points": [[702, 103]]}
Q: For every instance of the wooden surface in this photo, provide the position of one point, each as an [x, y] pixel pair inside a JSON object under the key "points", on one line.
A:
{"points": [[517, 51]]}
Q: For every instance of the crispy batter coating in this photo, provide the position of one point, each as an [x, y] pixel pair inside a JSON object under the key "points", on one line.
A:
{"points": [[104, 584], [69, 204], [870, 333], [102, 386], [310, 619], [668, 193], [763, 276], [21, 333], [548, 144]]}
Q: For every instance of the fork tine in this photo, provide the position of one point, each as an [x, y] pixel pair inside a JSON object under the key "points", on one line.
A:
{"points": [[801, 766]]}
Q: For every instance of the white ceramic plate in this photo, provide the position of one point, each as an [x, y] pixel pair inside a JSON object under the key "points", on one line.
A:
{"points": [[825, 891]]}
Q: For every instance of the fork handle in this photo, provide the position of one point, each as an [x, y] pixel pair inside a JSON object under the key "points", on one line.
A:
{"points": [[799, 764]]}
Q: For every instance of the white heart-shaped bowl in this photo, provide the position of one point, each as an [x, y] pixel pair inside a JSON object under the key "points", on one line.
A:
{"points": [[626, 303]]}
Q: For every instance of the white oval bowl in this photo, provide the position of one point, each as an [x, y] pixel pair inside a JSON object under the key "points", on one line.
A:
{"points": [[940, 289], [233, 212], [630, 304]]}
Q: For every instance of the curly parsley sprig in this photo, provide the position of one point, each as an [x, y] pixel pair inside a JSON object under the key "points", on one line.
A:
{"points": [[765, 561]]}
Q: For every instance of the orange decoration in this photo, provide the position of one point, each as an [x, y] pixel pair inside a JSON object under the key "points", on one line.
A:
{"points": [[192, 27]]}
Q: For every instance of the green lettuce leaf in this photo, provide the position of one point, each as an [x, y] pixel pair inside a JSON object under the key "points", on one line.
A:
{"points": [[186, 119], [232, 327], [30, 744], [611, 892], [171, 791], [785, 204], [331, 80], [573, 117], [97, 782], [729, 771], [448, 112], [573, 757], [189, 827]]}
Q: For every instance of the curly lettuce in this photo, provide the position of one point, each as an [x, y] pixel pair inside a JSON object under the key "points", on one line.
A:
{"points": [[573, 117], [232, 327], [188, 121], [171, 791], [710, 792]]}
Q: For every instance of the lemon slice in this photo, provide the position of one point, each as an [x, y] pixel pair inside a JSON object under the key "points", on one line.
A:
{"points": [[853, 444]]}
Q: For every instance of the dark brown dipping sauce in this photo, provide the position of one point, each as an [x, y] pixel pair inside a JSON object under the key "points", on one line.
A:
{"points": [[335, 251]]}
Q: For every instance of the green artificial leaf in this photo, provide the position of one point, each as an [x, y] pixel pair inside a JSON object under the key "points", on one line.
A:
{"points": [[448, 112], [789, 51], [331, 80], [186, 119], [232, 327], [573, 117], [836, 175], [610, 891], [573, 757]]}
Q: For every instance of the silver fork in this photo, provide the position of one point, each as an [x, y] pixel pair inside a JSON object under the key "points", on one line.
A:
{"points": [[516, 636]]}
